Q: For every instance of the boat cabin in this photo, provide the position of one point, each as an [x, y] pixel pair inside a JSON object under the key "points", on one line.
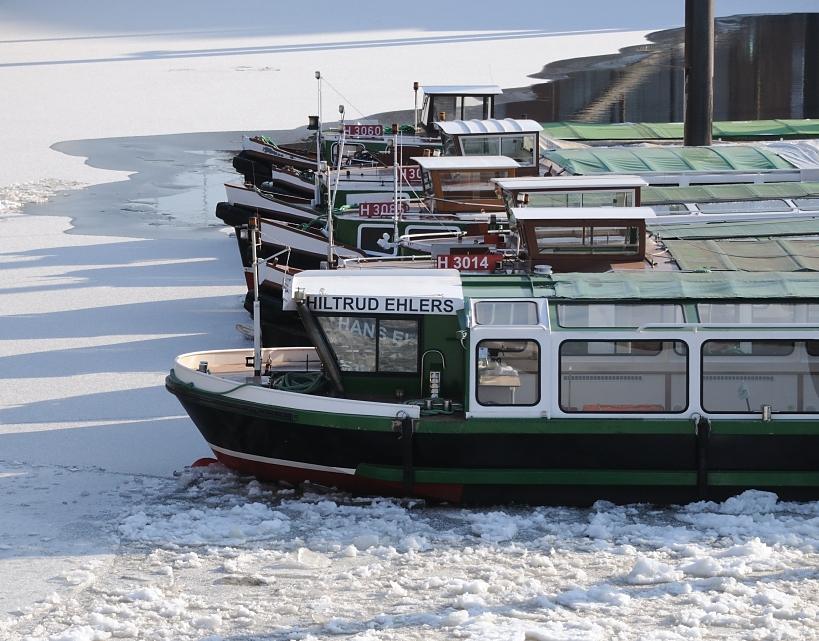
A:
{"points": [[659, 344], [517, 139], [571, 191], [536, 388], [582, 238], [464, 183], [457, 102]]}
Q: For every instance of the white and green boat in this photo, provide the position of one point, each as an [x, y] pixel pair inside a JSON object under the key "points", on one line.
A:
{"points": [[676, 366]]}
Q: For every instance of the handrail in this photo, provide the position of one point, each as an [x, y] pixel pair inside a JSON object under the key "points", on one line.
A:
{"points": [[739, 326]]}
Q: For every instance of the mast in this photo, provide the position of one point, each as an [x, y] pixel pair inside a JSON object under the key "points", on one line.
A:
{"points": [[415, 89], [332, 200], [253, 232], [396, 172], [316, 180]]}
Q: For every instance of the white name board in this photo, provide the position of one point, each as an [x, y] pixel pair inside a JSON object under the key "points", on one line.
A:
{"points": [[383, 304]]}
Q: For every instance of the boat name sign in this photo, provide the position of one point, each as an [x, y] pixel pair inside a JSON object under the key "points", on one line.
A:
{"points": [[384, 304]]}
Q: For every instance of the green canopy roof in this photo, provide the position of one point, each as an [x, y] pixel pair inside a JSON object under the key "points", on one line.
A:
{"points": [[784, 226], [686, 285], [718, 193], [649, 285], [757, 255], [727, 130], [637, 160]]}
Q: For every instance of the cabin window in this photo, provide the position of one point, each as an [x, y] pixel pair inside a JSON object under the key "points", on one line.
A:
{"points": [[508, 372], [554, 239], [470, 183], [471, 107], [445, 104], [644, 377], [368, 344], [599, 198], [748, 348], [758, 313], [520, 148], [506, 313], [742, 376], [617, 314], [397, 345]]}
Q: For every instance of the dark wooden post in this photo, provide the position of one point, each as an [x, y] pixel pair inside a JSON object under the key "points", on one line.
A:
{"points": [[699, 71], [811, 74]]}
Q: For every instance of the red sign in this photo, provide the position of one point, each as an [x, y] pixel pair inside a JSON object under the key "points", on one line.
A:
{"points": [[374, 210], [411, 174], [364, 130], [468, 262]]}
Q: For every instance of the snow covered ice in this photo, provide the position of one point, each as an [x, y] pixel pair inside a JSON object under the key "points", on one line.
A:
{"points": [[211, 555], [106, 534]]}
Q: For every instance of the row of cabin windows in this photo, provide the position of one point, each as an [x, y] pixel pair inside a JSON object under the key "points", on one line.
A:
{"points": [[586, 239], [623, 376], [520, 148], [600, 198], [652, 376], [635, 315]]}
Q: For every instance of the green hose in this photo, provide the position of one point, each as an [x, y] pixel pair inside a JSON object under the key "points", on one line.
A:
{"points": [[301, 382]]}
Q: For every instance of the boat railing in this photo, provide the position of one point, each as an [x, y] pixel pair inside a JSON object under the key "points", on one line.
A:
{"points": [[699, 326], [370, 261], [433, 234]]}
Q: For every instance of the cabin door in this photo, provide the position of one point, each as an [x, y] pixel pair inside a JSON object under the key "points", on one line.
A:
{"points": [[507, 377]]}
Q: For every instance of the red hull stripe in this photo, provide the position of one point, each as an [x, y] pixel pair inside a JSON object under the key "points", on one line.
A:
{"points": [[270, 469]]}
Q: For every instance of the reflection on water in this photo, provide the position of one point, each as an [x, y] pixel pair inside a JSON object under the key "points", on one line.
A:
{"points": [[190, 197], [764, 67]]}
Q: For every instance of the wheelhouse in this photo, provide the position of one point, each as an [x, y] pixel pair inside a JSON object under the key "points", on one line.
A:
{"points": [[516, 139], [571, 191], [464, 183], [457, 102], [588, 238]]}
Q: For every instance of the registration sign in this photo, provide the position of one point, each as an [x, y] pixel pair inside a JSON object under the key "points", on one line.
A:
{"points": [[468, 262], [374, 210], [363, 130]]}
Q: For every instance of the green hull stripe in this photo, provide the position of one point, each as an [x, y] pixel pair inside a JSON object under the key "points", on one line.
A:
{"points": [[556, 426], [758, 428], [589, 477], [764, 479], [530, 476]]}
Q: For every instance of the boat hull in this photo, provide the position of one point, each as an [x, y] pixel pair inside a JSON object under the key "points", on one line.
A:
{"points": [[557, 462]]}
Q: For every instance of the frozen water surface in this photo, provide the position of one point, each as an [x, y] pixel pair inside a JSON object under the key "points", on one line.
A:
{"points": [[117, 130]]}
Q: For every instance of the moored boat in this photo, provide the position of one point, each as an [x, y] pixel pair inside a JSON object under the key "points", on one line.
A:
{"points": [[665, 372], [551, 388]]}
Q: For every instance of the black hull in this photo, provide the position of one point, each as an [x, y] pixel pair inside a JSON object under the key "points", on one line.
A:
{"points": [[258, 168], [575, 466]]}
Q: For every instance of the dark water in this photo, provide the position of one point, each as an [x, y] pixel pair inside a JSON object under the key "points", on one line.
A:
{"points": [[765, 66]]}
